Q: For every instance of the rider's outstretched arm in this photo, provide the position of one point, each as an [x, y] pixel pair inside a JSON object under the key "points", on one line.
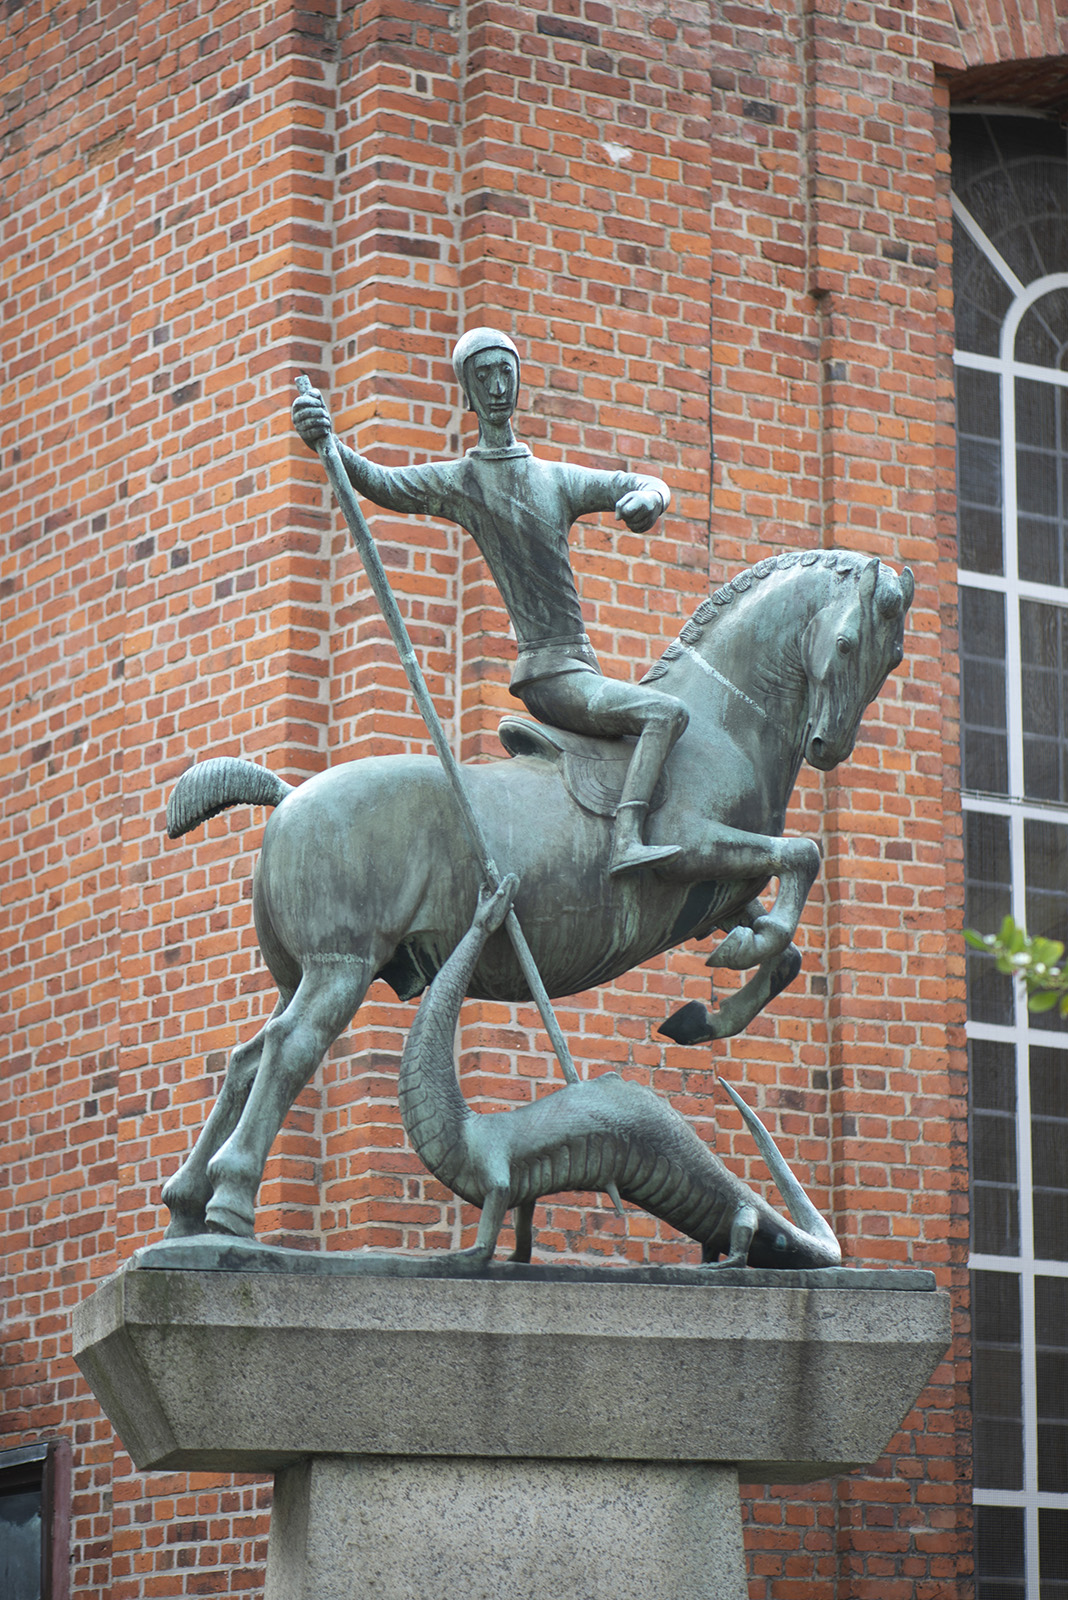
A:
{"points": [[405, 489], [637, 498]]}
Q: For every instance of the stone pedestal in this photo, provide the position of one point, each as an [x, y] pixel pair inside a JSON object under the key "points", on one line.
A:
{"points": [[522, 1433], [470, 1528]]}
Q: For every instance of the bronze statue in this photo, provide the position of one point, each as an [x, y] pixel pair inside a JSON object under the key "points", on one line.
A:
{"points": [[519, 510], [586, 1136], [366, 870]]}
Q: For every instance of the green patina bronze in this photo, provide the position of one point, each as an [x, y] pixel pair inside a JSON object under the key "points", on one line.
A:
{"points": [[620, 848], [587, 1136]]}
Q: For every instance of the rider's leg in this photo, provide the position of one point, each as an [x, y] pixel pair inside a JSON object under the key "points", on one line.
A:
{"points": [[293, 1045], [585, 702], [663, 726]]}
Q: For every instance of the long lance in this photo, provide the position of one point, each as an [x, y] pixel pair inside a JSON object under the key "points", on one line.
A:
{"points": [[361, 537]]}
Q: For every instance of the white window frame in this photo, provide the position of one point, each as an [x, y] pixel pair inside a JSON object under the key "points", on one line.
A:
{"points": [[1017, 810]]}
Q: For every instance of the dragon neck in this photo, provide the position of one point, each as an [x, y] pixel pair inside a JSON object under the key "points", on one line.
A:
{"points": [[433, 1109]]}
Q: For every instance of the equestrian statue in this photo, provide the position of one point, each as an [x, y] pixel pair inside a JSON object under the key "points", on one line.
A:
{"points": [[631, 818]]}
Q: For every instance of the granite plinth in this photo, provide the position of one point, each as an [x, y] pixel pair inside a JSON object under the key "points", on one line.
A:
{"points": [[247, 1371], [521, 1432]]}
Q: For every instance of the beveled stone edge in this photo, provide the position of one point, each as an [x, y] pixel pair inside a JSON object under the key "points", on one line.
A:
{"points": [[195, 1459]]}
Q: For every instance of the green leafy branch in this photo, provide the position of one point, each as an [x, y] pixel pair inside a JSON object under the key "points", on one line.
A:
{"points": [[1037, 961]]}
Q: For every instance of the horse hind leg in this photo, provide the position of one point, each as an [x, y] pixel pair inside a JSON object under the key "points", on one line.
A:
{"points": [[187, 1193], [293, 1043]]}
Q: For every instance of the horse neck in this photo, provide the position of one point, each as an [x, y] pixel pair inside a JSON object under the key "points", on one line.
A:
{"points": [[751, 652]]}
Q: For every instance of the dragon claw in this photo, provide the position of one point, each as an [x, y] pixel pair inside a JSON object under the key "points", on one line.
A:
{"points": [[494, 904]]}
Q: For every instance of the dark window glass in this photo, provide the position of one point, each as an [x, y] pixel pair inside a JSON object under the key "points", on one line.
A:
{"points": [[1049, 1152], [979, 471], [995, 1199], [20, 1544], [982, 295], [1009, 173], [999, 1553], [1040, 477], [1052, 1554], [1044, 669], [993, 1075], [986, 904], [996, 1403], [1043, 331], [1046, 897], [35, 1521], [985, 751]]}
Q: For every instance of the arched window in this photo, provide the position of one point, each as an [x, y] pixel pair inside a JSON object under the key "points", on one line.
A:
{"points": [[1010, 203]]}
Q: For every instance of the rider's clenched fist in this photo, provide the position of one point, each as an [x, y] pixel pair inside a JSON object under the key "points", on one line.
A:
{"points": [[311, 417]]}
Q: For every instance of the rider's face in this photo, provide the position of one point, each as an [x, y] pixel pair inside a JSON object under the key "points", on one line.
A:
{"points": [[491, 384]]}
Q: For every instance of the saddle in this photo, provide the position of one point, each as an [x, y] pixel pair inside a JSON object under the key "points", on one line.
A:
{"points": [[593, 770]]}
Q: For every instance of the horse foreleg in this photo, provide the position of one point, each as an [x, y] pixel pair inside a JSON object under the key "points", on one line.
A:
{"points": [[695, 1024], [187, 1193], [729, 854], [293, 1044]]}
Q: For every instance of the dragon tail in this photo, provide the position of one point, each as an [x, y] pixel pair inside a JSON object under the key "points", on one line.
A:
{"points": [[798, 1204], [208, 787]]}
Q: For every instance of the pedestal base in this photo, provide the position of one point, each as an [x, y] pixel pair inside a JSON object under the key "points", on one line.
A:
{"points": [[533, 1436], [453, 1528]]}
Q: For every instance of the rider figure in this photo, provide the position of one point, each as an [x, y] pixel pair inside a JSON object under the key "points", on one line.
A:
{"points": [[519, 511]]}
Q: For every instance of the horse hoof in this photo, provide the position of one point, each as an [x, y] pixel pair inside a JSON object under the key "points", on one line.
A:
{"points": [[690, 1024], [186, 1207], [233, 1219], [185, 1225]]}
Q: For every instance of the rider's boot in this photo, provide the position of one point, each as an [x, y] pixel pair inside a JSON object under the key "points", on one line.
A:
{"points": [[629, 854]]}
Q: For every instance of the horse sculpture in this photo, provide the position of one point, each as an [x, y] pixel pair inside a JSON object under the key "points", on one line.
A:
{"points": [[365, 871]]}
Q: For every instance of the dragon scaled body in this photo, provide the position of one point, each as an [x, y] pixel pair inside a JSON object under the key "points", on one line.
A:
{"points": [[587, 1136]]}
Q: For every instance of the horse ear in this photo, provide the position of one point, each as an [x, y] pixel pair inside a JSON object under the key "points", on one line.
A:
{"points": [[868, 579], [908, 586]]}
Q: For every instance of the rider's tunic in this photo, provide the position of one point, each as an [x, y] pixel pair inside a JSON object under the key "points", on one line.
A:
{"points": [[519, 511]]}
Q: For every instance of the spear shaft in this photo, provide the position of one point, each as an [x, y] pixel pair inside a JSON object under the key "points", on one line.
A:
{"points": [[330, 457]]}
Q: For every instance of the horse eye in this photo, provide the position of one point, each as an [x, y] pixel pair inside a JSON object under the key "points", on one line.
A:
{"points": [[844, 645]]}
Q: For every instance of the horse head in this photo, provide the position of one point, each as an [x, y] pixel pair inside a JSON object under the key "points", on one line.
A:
{"points": [[847, 649]]}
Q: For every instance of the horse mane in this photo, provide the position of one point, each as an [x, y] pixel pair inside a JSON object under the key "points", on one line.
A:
{"points": [[841, 561]]}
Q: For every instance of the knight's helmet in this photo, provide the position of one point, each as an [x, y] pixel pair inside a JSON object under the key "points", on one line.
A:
{"points": [[472, 343]]}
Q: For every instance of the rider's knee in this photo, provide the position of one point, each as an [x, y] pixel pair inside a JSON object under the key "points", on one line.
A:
{"points": [[669, 716]]}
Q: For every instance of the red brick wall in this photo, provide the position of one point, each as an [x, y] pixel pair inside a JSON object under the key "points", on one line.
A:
{"points": [[712, 230]]}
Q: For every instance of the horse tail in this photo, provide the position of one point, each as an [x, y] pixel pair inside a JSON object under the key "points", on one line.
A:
{"points": [[208, 787]]}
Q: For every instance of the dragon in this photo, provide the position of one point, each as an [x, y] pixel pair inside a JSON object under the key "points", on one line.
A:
{"points": [[587, 1136]]}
